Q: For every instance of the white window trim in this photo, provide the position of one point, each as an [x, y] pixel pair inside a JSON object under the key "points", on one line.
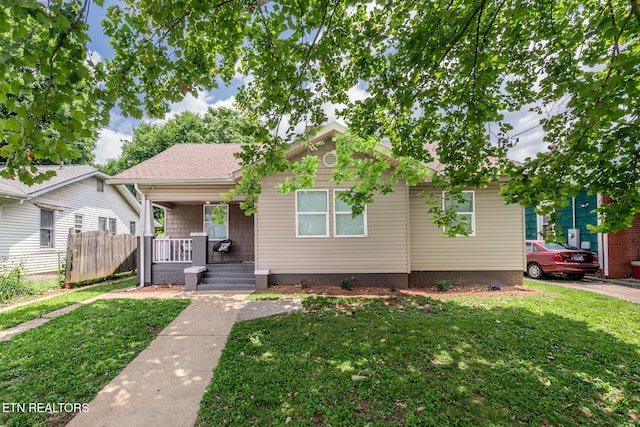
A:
{"points": [[326, 214], [473, 214], [335, 213], [52, 229], [135, 227], [204, 222], [114, 222], [106, 223], [75, 223]]}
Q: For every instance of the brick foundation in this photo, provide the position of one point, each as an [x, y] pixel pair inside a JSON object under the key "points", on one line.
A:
{"points": [[428, 278], [396, 280], [169, 273]]}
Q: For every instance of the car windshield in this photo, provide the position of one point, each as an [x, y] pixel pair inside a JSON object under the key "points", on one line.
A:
{"points": [[552, 246]]}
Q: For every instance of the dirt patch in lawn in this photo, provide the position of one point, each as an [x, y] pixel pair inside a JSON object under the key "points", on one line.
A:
{"points": [[429, 291]]}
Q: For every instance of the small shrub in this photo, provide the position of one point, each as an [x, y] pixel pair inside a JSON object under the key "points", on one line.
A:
{"points": [[303, 284], [442, 285], [394, 288], [12, 284], [345, 283]]}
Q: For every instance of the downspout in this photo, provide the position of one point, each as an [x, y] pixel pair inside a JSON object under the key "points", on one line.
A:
{"points": [[143, 227], [573, 203], [603, 249]]}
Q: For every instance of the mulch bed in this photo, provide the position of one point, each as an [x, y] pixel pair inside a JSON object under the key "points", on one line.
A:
{"points": [[377, 291], [429, 291]]}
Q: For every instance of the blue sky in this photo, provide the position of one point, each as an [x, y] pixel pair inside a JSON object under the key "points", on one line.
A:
{"points": [[120, 128]]}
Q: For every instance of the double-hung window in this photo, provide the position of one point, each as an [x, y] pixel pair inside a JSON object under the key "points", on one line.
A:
{"points": [[132, 227], [345, 224], [47, 227], [112, 225], [214, 230], [312, 213], [102, 223], [78, 223], [465, 209]]}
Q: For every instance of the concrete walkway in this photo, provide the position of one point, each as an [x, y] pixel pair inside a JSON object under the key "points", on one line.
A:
{"points": [[163, 386], [602, 287]]}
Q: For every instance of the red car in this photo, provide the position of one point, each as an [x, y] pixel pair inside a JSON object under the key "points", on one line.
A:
{"points": [[554, 258]]}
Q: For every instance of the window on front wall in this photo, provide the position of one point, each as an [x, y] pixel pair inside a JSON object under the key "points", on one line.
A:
{"points": [[312, 213], [47, 226], [78, 223], [213, 230], [465, 209], [345, 225]]}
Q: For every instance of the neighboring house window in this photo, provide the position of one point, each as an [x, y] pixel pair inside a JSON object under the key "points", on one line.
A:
{"points": [[47, 222], [345, 225], [100, 185], [312, 213], [102, 223], [216, 231], [132, 227], [465, 209], [112, 225], [79, 220]]}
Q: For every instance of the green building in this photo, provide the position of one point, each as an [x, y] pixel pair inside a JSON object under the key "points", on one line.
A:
{"points": [[578, 214]]}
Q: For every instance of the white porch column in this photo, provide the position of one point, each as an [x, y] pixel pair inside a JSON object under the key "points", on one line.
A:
{"points": [[146, 228]]}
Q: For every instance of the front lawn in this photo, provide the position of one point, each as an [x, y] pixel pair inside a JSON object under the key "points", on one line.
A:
{"points": [[24, 313], [72, 357], [561, 358]]}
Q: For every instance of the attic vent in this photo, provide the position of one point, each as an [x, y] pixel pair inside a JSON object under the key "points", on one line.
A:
{"points": [[330, 159]]}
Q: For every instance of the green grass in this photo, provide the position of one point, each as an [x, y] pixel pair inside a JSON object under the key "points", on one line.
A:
{"points": [[72, 357], [561, 358], [36, 309]]}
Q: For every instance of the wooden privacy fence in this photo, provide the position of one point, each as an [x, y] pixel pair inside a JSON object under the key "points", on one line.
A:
{"points": [[95, 254]]}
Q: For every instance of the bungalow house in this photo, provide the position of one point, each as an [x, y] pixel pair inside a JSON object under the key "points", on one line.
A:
{"points": [[35, 220], [615, 251], [310, 234]]}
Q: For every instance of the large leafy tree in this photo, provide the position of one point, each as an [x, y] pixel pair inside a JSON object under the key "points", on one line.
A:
{"points": [[216, 126], [443, 70]]}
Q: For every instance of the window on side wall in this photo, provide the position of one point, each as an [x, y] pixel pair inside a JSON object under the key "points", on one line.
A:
{"points": [[102, 223], [47, 228], [312, 213], [100, 185], [132, 227], [216, 231], [345, 225], [465, 209], [112, 225], [78, 223]]}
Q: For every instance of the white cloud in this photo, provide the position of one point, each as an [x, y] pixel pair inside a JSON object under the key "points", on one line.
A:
{"points": [[93, 57], [109, 145]]}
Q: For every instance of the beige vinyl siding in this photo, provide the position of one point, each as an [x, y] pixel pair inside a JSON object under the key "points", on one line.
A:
{"points": [[498, 243], [383, 250], [20, 222]]}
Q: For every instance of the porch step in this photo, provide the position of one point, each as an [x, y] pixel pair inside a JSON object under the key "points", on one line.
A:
{"points": [[228, 277], [226, 287]]}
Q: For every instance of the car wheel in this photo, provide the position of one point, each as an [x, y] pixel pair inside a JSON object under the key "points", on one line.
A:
{"points": [[535, 271], [575, 276]]}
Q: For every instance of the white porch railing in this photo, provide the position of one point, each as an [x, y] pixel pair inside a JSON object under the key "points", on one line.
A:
{"points": [[172, 250]]}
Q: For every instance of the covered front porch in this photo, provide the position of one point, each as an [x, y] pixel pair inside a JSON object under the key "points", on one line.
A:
{"points": [[185, 253]]}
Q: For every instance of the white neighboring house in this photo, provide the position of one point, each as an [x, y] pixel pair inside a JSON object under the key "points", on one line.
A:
{"points": [[35, 220]]}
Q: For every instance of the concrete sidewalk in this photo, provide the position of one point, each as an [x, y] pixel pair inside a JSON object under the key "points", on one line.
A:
{"points": [[602, 287], [163, 386]]}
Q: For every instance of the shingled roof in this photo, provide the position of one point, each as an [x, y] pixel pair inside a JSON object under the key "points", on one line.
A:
{"points": [[64, 174], [186, 162]]}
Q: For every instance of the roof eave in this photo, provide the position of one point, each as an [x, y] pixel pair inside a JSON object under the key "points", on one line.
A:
{"points": [[79, 178], [169, 181]]}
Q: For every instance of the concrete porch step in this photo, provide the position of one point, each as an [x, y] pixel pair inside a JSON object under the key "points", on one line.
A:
{"points": [[229, 280], [225, 287], [248, 274]]}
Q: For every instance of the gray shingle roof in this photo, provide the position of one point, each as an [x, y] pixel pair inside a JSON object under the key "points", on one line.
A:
{"points": [[66, 173], [187, 161]]}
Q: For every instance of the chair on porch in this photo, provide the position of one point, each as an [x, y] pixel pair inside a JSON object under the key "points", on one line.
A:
{"points": [[222, 247]]}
